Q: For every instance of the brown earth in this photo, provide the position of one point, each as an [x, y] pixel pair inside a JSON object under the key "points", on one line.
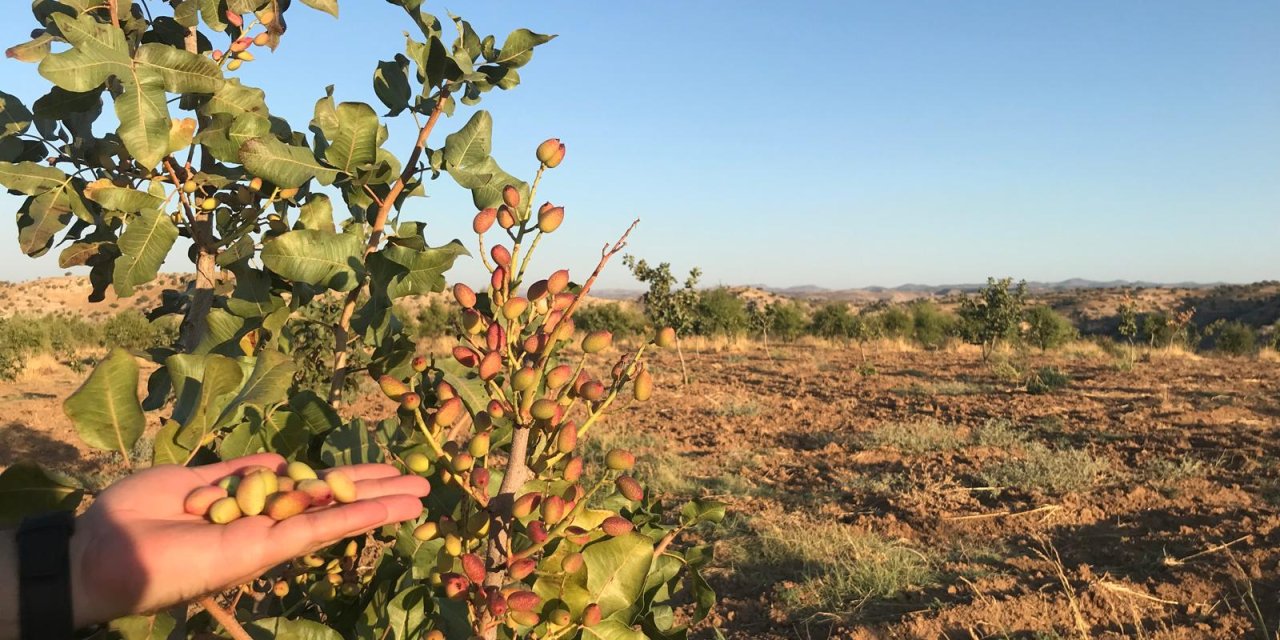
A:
{"points": [[1140, 501]]}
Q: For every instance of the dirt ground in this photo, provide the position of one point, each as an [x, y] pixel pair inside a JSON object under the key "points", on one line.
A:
{"points": [[930, 495]]}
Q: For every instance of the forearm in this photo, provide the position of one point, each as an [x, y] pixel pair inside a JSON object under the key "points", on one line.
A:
{"points": [[8, 585]]}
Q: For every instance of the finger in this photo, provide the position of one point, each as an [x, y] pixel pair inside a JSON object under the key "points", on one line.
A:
{"points": [[416, 486], [313, 529], [216, 472], [370, 471]]}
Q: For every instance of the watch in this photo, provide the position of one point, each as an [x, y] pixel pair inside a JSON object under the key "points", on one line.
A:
{"points": [[44, 576]]}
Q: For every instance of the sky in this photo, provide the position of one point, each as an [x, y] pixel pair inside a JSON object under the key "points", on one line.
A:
{"points": [[846, 144]]}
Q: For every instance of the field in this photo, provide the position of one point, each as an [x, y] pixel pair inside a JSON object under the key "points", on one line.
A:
{"points": [[926, 494]]}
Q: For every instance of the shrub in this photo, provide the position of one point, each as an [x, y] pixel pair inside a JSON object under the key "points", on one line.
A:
{"points": [[610, 316], [931, 326], [129, 329], [992, 316], [721, 313], [785, 319], [1048, 329], [896, 322], [435, 320], [833, 320], [1235, 338]]}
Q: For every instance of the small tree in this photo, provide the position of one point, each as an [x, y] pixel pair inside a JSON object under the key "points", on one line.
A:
{"points": [[832, 321], [664, 304], [1047, 328], [931, 325], [1128, 313], [721, 313], [785, 319], [993, 315]]}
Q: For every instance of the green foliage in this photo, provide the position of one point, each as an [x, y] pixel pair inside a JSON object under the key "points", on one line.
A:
{"points": [[664, 304], [434, 320], [610, 316], [1048, 329], [1128, 320], [931, 326], [833, 320], [897, 323], [993, 315], [720, 312], [1233, 338], [1047, 380], [785, 319], [294, 301]]}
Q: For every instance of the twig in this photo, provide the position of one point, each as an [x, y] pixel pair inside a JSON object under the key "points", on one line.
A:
{"points": [[343, 328], [1173, 562], [999, 514], [224, 618], [1119, 588]]}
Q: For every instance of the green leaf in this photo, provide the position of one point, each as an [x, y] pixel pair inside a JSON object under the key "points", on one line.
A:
{"points": [[286, 165], [180, 71], [317, 258], [105, 409], [33, 50], [252, 296], [611, 630], [286, 629], [355, 144], [316, 214], [144, 119], [469, 146], [424, 269], [31, 178], [518, 49], [123, 199], [144, 245], [202, 385], [167, 450], [350, 444], [421, 555], [15, 118], [407, 613], [616, 571], [236, 100], [328, 6], [267, 385], [157, 627], [98, 52], [316, 414], [391, 84], [27, 489]]}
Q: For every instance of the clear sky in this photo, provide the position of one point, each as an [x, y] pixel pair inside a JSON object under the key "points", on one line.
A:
{"points": [[852, 143]]}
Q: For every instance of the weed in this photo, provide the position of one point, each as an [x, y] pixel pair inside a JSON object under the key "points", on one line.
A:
{"points": [[1046, 470], [998, 433], [916, 437]]}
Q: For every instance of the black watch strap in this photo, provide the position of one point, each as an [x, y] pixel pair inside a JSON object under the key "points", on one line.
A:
{"points": [[44, 577]]}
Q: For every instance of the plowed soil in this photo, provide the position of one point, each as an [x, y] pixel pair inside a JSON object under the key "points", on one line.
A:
{"points": [[1139, 501]]}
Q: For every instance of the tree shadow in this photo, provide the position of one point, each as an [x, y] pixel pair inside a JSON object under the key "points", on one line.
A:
{"points": [[19, 441]]}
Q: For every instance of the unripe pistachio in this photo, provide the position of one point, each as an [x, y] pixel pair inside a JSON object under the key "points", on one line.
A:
{"points": [[506, 218], [567, 439], [410, 401], [234, 65], [419, 363], [523, 601], [573, 469], [537, 532], [426, 531], [524, 379], [262, 39], [642, 389], [472, 321], [199, 500], [543, 409], [482, 421], [558, 282], [497, 279], [550, 219], [577, 535], [551, 153], [286, 504], [620, 460], [240, 44], [462, 462], [455, 585], [209, 204], [666, 338], [449, 412], [511, 196], [572, 563], [615, 526], [322, 591], [392, 387], [480, 479], [434, 634], [495, 338], [280, 589], [473, 567], [189, 187], [522, 568], [629, 488], [465, 296], [317, 490], [597, 341], [558, 376], [343, 488], [289, 194], [553, 509], [501, 255], [490, 366], [514, 308], [445, 391], [559, 617], [496, 603], [484, 220], [417, 463], [285, 483], [533, 345], [267, 16], [593, 391], [453, 544], [224, 510], [563, 301], [466, 356], [251, 497], [216, 55], [525, 504], [479, 445], [591, 615], [496, 409]]}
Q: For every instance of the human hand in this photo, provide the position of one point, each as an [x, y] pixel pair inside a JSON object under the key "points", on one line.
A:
{"points": [[135, 550]]}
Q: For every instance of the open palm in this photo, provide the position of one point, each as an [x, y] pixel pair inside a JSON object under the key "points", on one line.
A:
{"points": [[136, 550]]}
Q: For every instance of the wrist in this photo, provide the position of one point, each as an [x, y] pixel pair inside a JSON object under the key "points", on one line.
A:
{"points": [[8, 584]]}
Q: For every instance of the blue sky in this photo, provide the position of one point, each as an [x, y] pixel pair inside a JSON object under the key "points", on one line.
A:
{"points": [[852, 143]]}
